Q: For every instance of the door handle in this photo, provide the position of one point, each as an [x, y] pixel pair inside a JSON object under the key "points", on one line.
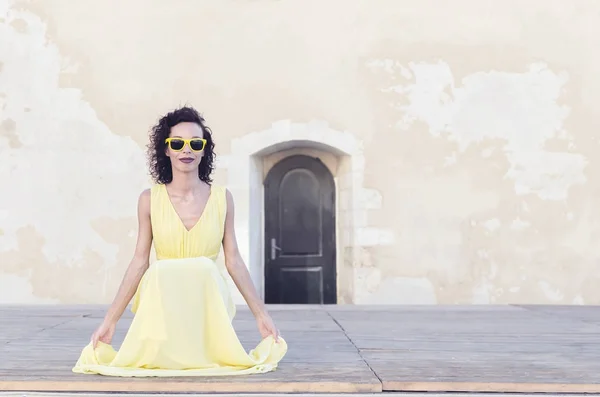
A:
{"points": [[274, 248]]}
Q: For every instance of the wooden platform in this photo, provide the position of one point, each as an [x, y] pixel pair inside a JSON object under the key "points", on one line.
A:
{"points": [[339, 349]]}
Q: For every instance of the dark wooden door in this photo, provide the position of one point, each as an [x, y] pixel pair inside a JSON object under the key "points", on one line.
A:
{"points": [[300, 232]]}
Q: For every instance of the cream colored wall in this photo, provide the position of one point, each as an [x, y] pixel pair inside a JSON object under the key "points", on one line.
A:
{"points": [[473, 172]]}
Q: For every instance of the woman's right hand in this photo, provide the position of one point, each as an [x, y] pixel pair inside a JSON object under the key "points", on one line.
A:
{"points": [[103, 333]]}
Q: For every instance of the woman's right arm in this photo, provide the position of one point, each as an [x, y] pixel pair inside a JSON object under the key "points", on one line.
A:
{"points": [[136, 269]]}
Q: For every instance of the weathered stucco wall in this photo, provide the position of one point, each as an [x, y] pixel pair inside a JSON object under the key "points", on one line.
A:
{"points": [[476, 122]]}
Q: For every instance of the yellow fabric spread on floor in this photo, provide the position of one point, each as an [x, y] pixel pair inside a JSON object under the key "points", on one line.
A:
{"points": [[183, 307]]}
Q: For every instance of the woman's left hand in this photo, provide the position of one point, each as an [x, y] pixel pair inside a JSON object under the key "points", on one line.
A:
{"points": [[266, 327]]}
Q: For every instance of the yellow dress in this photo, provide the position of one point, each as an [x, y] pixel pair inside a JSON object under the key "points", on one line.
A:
{"points": [[183, 307]]}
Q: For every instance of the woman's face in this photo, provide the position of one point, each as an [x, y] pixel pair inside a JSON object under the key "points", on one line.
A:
{"points": [[185, 147]]}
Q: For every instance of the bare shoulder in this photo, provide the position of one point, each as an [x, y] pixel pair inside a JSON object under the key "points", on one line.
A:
{"points": [[146, 193], [228, 196], [144, 241], [144, 200], [230, 204], [229, 239], [229, 207]]}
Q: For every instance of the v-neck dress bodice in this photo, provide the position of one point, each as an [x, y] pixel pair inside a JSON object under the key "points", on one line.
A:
{"points": [[172, 240], [183, 306]]}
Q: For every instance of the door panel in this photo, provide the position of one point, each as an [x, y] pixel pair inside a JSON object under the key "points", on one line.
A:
{"points": [[300, 214], [300, 232]]}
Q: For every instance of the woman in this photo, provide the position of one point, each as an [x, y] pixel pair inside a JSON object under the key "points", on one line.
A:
{"points": [[183, 307]]}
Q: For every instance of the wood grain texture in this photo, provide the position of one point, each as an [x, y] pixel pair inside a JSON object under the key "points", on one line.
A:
{"points": [[338, 349], [320, 359], [478, 348]]}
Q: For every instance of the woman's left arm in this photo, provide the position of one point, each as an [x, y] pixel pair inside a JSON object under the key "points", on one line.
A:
{"points": [[241, 276]]}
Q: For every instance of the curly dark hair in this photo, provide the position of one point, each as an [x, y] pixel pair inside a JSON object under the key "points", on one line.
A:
{"points": [[159, 163]]}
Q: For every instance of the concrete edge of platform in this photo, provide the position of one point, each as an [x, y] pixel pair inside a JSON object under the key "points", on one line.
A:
{"points": [[506, 388], [27, 387], [396, 394]]}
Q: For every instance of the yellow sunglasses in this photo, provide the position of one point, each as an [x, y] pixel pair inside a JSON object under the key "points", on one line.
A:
{"points": [[177, 144]]}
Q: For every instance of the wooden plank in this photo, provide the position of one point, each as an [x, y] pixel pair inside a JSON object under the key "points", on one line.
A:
{"points": [[289, 377], [587, 314], [508, 350], [410, 348], [310, 318], [489, 387], [321, 359], [188, 387], [47, 310]]}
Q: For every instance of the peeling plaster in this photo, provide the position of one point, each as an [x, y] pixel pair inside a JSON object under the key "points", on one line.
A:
{"points": [[520, 108], [432, 235], [64, 166], [492, 224], [454, 230], [7, 130], [552, 294], [17, 290], [372, 289], [481, 293], [519, 224]]}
